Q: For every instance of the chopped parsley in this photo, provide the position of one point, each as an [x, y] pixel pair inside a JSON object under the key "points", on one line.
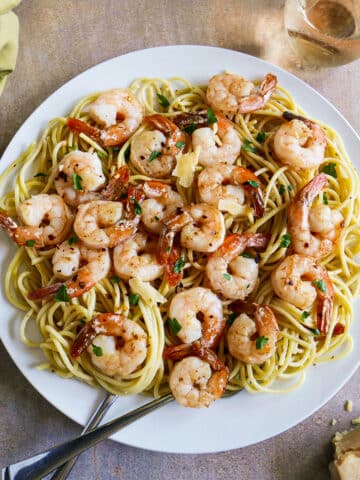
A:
{"points": [[137, 206], [82, 321], [261, 342], [77, 181], [179, 144], [260, 137], [190, 128], [290, 187], [285, 240], [179, 265], [174, 325], [211, 117], [156, 218], [282, 189], [40, 174], [249, 147], [320, 284], [231, 318], [227, 276], [97, 350], [315, 331], [304, 315], [164, 102], [253, 183], [134, 298], [168, 249], [330, 169], [154, 155], [115, 279], [117, 149], [325, 199], [62, 295], [73, 240], [101, 155], [246, 255], [30, 243]]}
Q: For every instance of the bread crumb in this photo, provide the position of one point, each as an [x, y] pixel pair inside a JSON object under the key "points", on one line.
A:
{"points": [[356, 421], [348, 405], [333, 422]]}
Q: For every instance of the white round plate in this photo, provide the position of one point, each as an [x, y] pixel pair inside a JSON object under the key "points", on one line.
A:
{"points": [[229, 423]]}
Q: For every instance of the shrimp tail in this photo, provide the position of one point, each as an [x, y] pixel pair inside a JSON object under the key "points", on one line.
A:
{"points": [[258, 100], [83, 340], [45, 293], [308, 193], [207, 355], [155, 189], [79, 126], [239, 306], [187, 119], [257, 240], [115, 189], [250, 182], [178, 352], [175, 137], [8, 225], [324, 313]]}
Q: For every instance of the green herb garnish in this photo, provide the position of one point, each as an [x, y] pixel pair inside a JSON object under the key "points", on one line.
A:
{"points": [[168, 249], [62, 295], [190, 128], [261, 342], [320, 284], [261, 137], [246, 255], [77, 181], [30, 243], [211, 117], [164, 102], [179, 144], [97, 350], [134, 298], [73, 240], [156, 218], [101, 155], [231, 318], [330, 169], [282, 189], [290, 187], [115, 279], [227, 276], [249, 147], [325, 199], [315, 331], [117, 149], [154, 155], [137, 207], [40, 174], [253, 183], [82, 321], [285, 240], [304, 315], [179, 265], [174, 325]]}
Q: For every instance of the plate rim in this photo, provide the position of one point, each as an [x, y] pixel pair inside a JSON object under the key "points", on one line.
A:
{"points": [[39, 129]]}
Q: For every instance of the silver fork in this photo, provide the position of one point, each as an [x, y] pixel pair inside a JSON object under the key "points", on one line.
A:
{"points": [[99, 413], [38, 466]]}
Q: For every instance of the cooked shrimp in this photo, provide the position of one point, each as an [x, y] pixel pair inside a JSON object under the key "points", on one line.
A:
{"points": [[154, 152], [300, 280], [47, 221], [205, 230], [197, 382], [101, 224], [232, 93], [314, 230], [300, 143], [200, 314], [254, 319], [161, 202], [212, 154], [116, 345], [225, 182], [119, 114], [134, 259], [78, 176], [95, 265], [231, 275]]}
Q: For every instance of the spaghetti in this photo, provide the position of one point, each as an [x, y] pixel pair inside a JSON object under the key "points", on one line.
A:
{"points": [[298, 345]]}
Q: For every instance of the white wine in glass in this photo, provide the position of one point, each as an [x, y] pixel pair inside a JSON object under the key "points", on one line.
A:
{"points": [[324, 33]]}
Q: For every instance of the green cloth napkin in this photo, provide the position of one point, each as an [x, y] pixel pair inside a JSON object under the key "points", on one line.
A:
{"points": [[9, 39]]}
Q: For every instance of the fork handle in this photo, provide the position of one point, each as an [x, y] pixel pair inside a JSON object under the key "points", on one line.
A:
{"points": [[63, 471], [38, 466]]}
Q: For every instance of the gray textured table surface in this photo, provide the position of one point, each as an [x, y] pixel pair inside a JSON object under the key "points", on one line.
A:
{"points": [[59, 39]]}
